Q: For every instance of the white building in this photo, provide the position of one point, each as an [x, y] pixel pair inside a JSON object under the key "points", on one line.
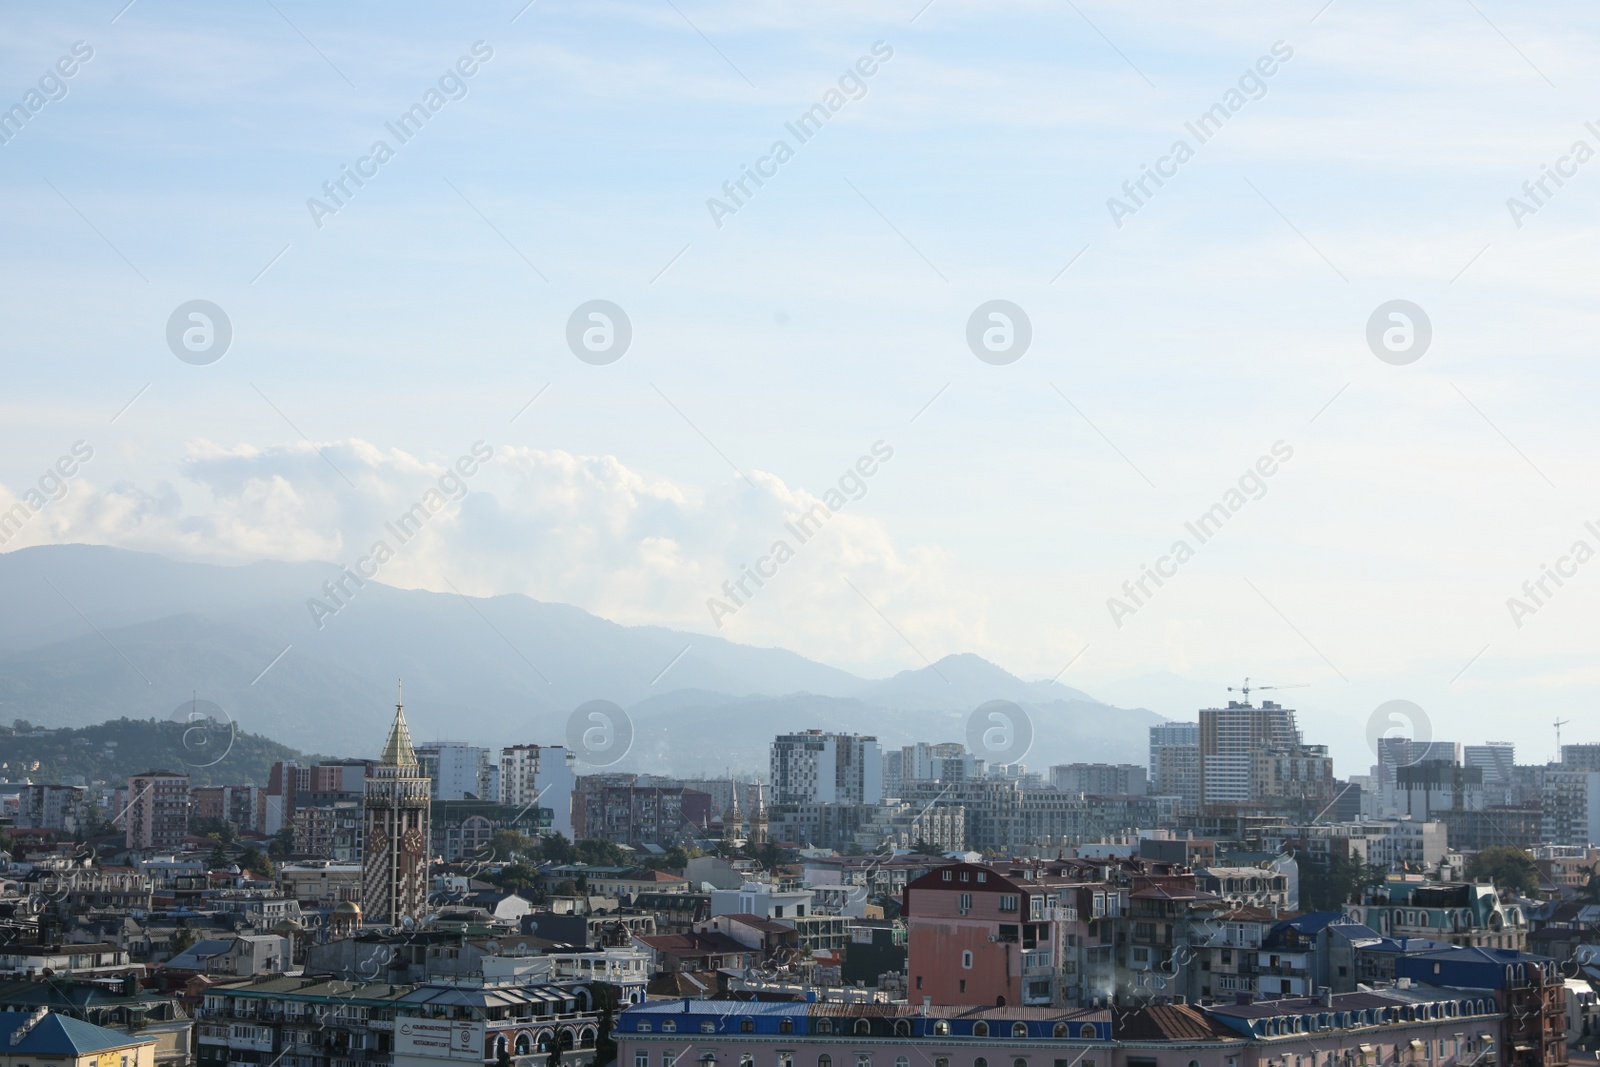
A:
{"points": [[540, 776], [1571, 806], [824, 768], [458, 770]]}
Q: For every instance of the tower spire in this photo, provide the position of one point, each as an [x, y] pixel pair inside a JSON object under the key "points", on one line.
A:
{"points": [[397, 751]]}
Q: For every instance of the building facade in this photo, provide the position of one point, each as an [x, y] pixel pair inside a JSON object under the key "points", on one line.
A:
{"points": [[394, 885]]}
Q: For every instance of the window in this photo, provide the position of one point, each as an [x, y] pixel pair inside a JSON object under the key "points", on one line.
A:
{"points": [[669, 1059], [980, 1029], [1019, 1029], [947, 876], [902, 1061], [747, 1026], [902, 1028], [966, 959], [963, 876], [919, 981], [747, 1060], [644, 1026], [1008, 902], [785, 1059], [824, 1026], [863, 1059], [824, 1060], [983, 876], [669, 1026], [964, 902], [641, 1058], [863, 1026], [1036, 908], [1059, 1031], [963, 985], [1087, 1033], [980, 1062], [708, 1026], [1019, 1062], [942, 1029], [785, 1026]]}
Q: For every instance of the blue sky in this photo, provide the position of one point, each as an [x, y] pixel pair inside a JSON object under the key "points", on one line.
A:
{"points": [[771, 352]]}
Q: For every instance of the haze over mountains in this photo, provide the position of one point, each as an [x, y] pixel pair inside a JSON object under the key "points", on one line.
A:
{"points": [[93, 633]]}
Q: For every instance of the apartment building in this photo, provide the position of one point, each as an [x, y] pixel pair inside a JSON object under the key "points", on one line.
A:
{"points": [[157, 815]]}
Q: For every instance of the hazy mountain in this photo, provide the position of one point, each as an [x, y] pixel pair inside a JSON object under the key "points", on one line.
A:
{"points": [[99, 633]]}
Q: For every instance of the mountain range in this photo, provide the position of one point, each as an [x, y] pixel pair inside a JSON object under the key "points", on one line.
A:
{"points": [[96, 633]]}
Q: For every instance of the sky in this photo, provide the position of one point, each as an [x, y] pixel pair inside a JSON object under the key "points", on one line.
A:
{"points": [[782, 339]]}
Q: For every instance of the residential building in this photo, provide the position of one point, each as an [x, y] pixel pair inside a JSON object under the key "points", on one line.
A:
{"points": [[41, 1036], [120, 1006], [157, 814], [50, 807], [1100, 778], [462, 829], [818, 767], [395, 858], [1253, 759], [1529, 992], [611, 807], [1460, 913], [1175, 763], [1570, 810], [456, 770], [541, 776], [310, 1022]]}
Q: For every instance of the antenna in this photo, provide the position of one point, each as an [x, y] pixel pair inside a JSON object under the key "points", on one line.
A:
{"points": [[1246, 687], [1559, 724]]}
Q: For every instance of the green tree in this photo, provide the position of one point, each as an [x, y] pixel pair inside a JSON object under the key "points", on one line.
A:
{"points": [[605, 1045], [256, 862], [1330, 884], [597, 852], [282, 843], [182, 938], [926, 848], [555, 848], [1507, 867], [218, 857], [511, 845], [566, 888], [515, 876], [1589, 892]]}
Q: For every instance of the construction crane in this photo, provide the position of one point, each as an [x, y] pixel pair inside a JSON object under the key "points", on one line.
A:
{"points": [[1246, 687], [1559, 724]]}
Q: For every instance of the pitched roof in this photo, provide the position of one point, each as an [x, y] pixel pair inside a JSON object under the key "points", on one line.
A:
{"points": [[397, 751], [59, 1035], [1168, 1022]]}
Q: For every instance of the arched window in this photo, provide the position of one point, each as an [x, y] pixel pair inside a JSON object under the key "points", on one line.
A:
{"points": [[902, 1061], [863, 1026], [746, 1060], [1087, 1033], [785, 1026], [980, 1062], [499, 1045], [669, 1026], [523, 1044], [824, 1060], [1059, 1031], [824, 1026], [1019, 1029], [1019, 1062], [747, 1026], [902, 1028], [708, 1059], [941, 1028], [980, 1029]]}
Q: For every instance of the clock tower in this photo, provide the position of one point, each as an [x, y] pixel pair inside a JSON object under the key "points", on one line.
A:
{"points": [[394, 875]]}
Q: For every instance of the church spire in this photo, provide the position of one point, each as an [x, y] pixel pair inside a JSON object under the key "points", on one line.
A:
{"points": [[397, 751]]}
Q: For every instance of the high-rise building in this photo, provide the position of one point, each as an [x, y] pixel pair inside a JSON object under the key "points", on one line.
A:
{"points": [[1494, 759], [157, 816], [1254, 758], [540, 776], [394, 875], [1175, 764], [1581, 757], [828, 768], [1570, 812], [458, 771], [1101, 779]]}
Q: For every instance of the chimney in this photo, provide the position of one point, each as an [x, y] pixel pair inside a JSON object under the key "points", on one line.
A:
{"points": [[1327, 996], [927, 1002]]}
